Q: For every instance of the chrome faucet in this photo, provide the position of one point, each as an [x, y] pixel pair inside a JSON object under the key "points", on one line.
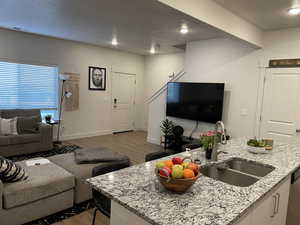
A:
{"points": [[214, 156]]}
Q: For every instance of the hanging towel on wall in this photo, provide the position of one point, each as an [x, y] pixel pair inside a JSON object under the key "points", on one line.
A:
{"points": [[72, 85]]}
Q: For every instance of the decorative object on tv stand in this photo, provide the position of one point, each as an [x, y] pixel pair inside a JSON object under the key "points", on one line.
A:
{"points": [[48, 118], [64, 94], [97, 78]]}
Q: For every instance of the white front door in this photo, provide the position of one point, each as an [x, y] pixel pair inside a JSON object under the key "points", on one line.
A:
{"points": [[123, 100], [281, 105]]}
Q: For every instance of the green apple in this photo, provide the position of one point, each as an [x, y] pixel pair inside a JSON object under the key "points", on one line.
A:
{"points": [[177, 173], [160, 164], [177, 166]]}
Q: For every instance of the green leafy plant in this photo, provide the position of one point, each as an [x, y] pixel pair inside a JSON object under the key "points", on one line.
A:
{"points": [[167, 127], [48, 117]]}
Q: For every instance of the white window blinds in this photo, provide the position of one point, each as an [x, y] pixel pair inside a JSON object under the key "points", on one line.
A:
{"points": [[24, 86]]}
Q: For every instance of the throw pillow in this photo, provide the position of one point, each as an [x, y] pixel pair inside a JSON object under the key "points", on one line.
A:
{"points": [[8, 126], [11, 172], [28, 125]]}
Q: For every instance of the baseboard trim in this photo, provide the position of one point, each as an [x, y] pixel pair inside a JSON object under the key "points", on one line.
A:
{"points": [[153, 140], [84, 135]]}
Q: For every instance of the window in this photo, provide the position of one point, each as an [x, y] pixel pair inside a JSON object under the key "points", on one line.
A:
{"points": [[24, 86]]}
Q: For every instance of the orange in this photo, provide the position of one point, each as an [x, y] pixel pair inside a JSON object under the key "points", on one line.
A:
{"points": [[188, 173], [168, 163]]}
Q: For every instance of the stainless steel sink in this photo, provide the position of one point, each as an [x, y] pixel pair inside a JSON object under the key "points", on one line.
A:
{"points": [[237, 171], [228, 176], [249, 167]]}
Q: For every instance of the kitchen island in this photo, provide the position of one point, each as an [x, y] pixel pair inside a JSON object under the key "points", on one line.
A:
{"points": [[138, 199]]}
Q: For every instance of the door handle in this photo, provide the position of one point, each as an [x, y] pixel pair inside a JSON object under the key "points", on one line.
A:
{"points": [[278, 202], [115, 102], [297, 130], [275, 205]]}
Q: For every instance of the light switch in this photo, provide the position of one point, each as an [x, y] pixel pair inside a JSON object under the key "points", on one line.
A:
{"points": [[244, 112]]}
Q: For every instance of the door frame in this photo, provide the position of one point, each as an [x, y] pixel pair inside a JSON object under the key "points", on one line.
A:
{"points": [[111, 97], [261, 91]]}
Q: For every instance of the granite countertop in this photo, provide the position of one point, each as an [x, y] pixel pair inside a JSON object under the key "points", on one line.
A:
{"points": [[208, 201]]}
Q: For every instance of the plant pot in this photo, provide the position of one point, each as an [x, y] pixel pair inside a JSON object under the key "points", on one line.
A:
{"points": [[208, 153]]}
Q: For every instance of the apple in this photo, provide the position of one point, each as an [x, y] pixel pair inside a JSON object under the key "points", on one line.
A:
{"points": [[177, 173], [165, 171], [177, 160], [159, 164], [193, 167], [177, 166]]}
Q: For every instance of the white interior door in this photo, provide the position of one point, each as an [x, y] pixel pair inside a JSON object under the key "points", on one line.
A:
{"points": [[123, 100], [281, 105]]}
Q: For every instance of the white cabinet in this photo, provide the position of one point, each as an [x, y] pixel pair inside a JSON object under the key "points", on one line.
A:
{"points": [[282, 193], [263, 212], [272, 209]]}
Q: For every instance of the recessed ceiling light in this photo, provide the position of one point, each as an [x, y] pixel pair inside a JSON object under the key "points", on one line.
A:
{"points": [[294, 11], [184, 29], [114, 42], [152, 50]]}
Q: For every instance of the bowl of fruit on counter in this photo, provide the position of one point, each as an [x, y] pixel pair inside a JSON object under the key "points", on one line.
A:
{"points": [[177, 174], [262, 146]]}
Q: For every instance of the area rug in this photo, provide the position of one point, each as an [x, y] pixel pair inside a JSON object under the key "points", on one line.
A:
{"points": [[57, 217], [55, 151]]}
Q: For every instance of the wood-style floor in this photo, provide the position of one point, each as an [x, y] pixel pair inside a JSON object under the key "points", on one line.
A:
{"points": [[133, 144]]}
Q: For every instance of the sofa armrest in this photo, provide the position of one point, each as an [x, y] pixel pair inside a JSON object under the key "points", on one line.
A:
{"points": [[46, 132]]}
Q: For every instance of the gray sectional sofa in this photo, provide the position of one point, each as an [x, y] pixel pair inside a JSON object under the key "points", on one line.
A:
{"points": [[26, 142], [50, 188]]}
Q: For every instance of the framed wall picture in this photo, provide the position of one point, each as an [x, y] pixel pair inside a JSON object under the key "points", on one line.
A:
{"points": [[97, 78]]}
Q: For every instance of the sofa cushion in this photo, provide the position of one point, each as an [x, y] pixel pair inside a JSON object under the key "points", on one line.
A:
{"points": [[81, 172], [24, 138], [8, 126], [4, 140], [43, 181], [28, 125]]}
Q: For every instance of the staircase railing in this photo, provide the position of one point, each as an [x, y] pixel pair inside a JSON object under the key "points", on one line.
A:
{"points": [[164, 87]]}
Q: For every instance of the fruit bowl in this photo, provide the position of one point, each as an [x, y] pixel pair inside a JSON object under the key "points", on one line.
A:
{"points": [[175, 183], [263, 146]]}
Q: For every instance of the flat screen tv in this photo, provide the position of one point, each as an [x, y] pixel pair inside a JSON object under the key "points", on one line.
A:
{"points": [[195, 101]]}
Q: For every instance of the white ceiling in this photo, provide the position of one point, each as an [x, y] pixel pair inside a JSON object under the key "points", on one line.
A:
{"points": [[136, 23], [266, 14]]}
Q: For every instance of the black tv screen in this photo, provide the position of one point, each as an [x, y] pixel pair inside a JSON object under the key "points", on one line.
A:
{"points": [[195, 101]]}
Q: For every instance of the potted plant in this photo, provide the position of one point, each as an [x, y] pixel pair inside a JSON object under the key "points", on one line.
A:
{"points": [[48, 118], [167, 128], [207, 140]]}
